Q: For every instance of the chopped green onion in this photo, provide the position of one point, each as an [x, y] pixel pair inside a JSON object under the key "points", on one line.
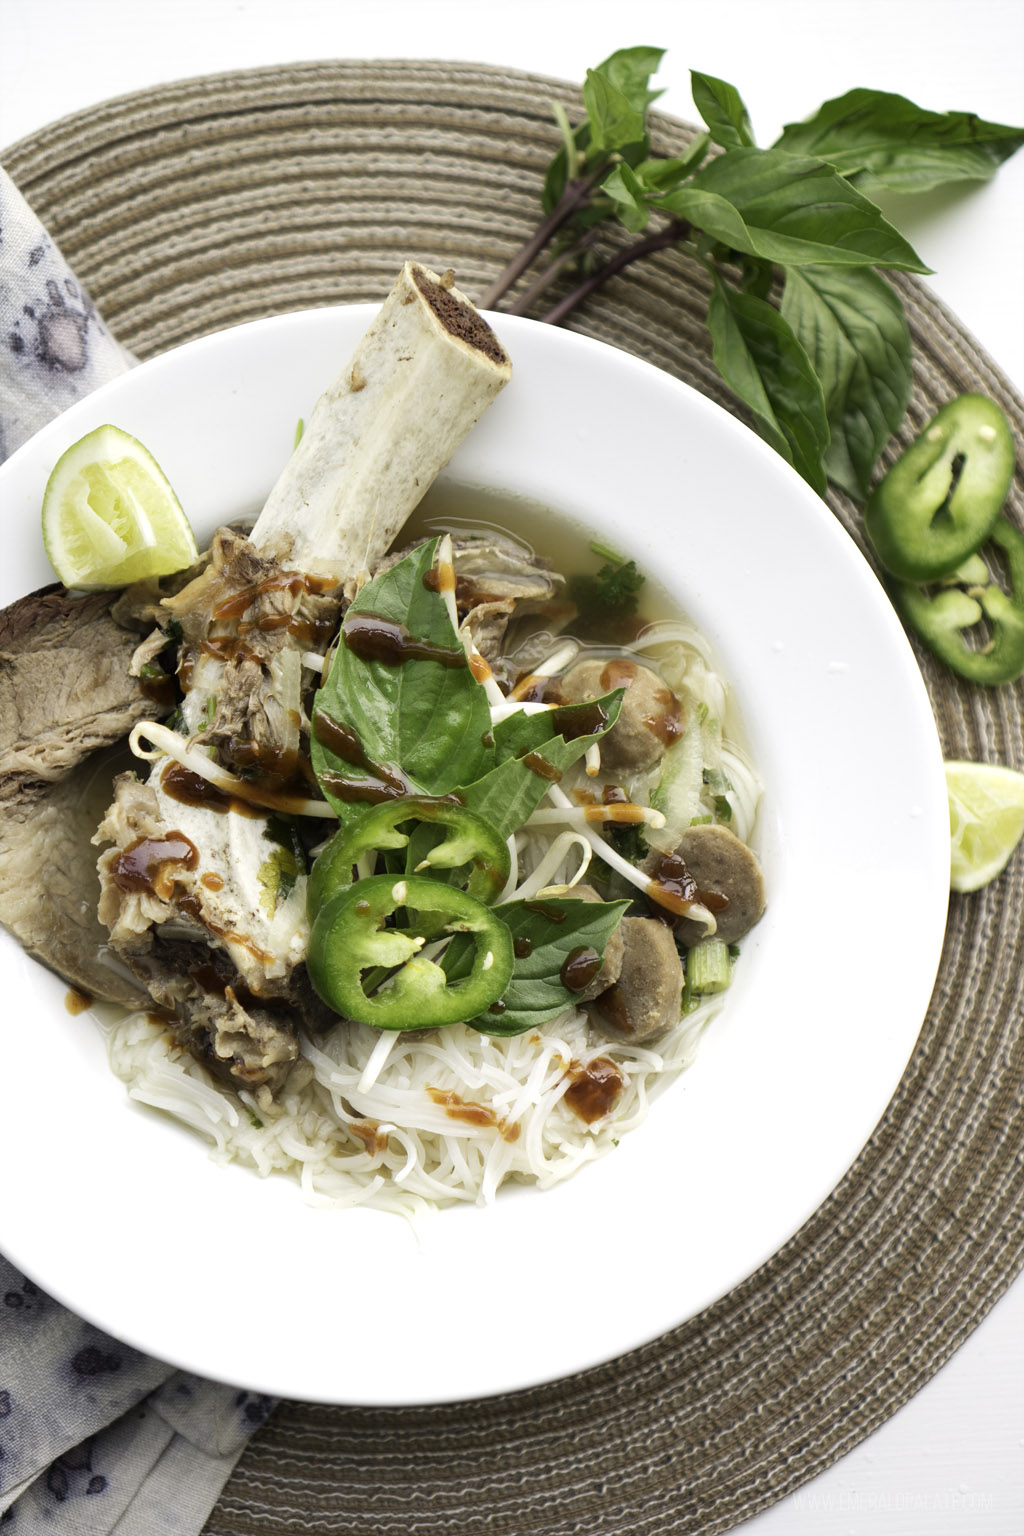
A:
{"points": [[707, 966]]}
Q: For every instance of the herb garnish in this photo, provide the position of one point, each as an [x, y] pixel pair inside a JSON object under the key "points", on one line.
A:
{"points": [[806, 333], [397, 724]]}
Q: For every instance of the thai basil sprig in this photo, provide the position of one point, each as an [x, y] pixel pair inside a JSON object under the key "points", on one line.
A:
{"points": [[805, 331]]}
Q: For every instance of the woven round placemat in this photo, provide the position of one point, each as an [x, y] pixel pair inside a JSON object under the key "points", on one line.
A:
{"points": [[209, 202]]}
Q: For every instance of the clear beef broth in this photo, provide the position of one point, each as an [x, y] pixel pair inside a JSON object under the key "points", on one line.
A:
{"points": [[567, 546]]}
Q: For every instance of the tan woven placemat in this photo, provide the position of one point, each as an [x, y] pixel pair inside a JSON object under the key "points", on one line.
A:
{"points": [[209, 202]]}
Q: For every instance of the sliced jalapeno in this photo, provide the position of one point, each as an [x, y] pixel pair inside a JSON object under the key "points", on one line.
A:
{"points": [[469, 849], [376, 974], [944, 618], [941, 498]]}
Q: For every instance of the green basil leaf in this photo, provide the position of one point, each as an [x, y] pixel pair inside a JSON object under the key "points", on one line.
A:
{"points": [[761, 360], [531, 753], [758, 276], [614, 120], [427, 721], [852, 325], [789, 209], [722, 108], [629, 70], [545, 934], [626, 191], [664, 173], [899, 144]]}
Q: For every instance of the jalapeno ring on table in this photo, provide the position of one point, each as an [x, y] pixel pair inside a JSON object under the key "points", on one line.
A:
{"points": [[940, 500], [941, 619]]}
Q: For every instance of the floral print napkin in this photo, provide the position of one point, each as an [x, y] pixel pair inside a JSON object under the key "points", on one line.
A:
{"points": [[94, 1436]]}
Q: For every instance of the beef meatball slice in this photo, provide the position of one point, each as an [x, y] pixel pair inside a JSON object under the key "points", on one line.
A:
{"points": [[650, 716]]}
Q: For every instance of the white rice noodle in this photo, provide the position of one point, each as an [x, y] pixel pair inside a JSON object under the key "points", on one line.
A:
{"points": [[745, 794], [408, 1122], [365, 1120]]}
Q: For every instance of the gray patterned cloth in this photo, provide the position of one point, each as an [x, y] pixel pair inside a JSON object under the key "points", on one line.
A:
{"points": [[54, 347], [95, 1438]]}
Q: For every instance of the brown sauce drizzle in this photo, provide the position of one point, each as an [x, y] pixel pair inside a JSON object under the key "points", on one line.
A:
{"points": [[292, 582], [369, 1133], [159, 689], [212, 880], [473, 1114], [531, 688], [440, 577], [674, 888], [360, 791], [545, 909], [192, 907], [311, 633], [480, 668], [593, 1089], [539, 765], [618, 673], [579, 968], [374, 638], [668, 724], [227, 648], [151, 864], [386, 781], [671, 884], [190, 788], [281, 767], [574, 720], [522, 948]]}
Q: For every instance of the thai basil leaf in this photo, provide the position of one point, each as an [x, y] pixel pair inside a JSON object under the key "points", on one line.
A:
{"points": [[757, 276], [852, 326], [531, 753], [545, 934], [789, 209], [627, 192], [428, 721], [900, 145], [616, 96], [662, 174], [722, 108], [614, 120], [629, 70], [761, 360]]}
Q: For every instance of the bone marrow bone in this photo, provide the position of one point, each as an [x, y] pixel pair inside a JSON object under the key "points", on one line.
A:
{"points": [[458, 315], [421, 377]]}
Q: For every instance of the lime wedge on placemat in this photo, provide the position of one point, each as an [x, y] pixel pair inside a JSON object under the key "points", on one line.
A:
{"points": [[110, 516], [986, 820]]}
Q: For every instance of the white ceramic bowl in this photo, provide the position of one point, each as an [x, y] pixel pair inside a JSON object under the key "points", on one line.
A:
{"points": [[122, 1215]]}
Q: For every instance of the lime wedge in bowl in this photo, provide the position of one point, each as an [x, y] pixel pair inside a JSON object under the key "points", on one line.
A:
{"points": [[110, 515], [986, 821]]}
